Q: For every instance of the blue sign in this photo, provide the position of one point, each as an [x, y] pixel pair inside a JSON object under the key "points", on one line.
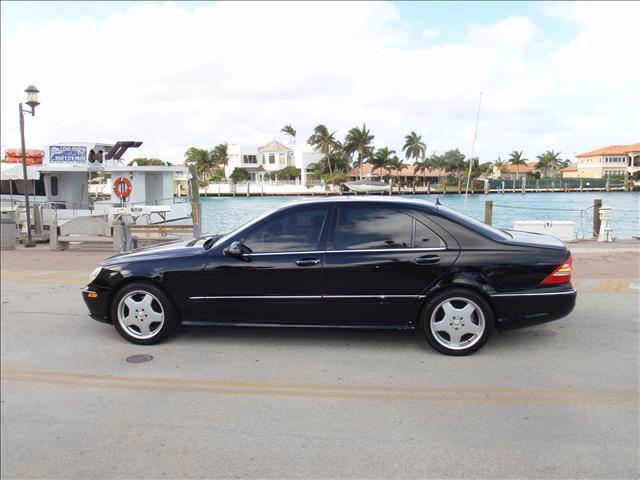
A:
{"points": [[67, 154]]}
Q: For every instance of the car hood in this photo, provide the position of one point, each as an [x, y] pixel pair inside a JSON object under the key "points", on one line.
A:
{"points": [[178, 248], [536, 240]]}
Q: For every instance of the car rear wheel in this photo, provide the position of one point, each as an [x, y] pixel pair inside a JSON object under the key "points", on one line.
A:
{"points": [[457, 322], [142, 314]]}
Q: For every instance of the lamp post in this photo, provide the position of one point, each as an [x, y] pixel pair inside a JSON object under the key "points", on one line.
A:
{"points": [[32, 101]]}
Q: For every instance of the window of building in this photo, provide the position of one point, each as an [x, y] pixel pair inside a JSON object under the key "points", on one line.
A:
{"points": [[272, 158], [296, 231], [54, 186], [283, 158], [249, 159], [363, 227]]}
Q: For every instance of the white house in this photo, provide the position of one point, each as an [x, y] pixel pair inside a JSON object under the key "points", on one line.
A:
{"points": [[272, 157]]}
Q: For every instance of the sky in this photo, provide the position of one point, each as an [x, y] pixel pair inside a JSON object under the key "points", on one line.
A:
{"points": [[562, 76]]}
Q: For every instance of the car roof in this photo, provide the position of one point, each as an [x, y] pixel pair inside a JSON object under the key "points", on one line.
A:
{"points": [[394, 201]]}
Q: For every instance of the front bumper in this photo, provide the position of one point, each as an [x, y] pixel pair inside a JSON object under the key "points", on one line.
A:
{"points": [[533, 307], [97, 301]]}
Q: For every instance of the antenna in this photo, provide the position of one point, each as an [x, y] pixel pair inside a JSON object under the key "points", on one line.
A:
{"points": [[473, 149]]}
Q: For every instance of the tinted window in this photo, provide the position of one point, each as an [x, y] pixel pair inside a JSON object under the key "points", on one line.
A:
{"points": [[54, 186], [425, 238], [295, 231], [363, 227]]}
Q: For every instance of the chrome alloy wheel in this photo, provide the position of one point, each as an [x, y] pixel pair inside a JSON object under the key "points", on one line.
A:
{"points": [[457, 323], [140, 314]]}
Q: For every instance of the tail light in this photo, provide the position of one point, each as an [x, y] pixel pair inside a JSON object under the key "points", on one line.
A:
{"points": [[562, 274]]}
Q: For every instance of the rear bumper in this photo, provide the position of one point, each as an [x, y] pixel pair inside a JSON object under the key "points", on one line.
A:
{"points": [[97, 301], [533, 307]]}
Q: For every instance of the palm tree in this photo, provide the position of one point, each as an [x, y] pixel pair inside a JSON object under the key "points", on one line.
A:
{"points": [[358, 140], [440, 163], [220, 156], [289, 130], [381, 158], [515, 158], [423, 166], [414, 147], [323, 141], [501, 165], [549, 160], [203, 158], [397, 164]]}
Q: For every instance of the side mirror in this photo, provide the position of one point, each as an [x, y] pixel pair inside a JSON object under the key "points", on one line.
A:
{"points": [[238, 250]]}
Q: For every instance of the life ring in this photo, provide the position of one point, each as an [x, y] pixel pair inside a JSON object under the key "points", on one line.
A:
{"points": [[122, 187]]}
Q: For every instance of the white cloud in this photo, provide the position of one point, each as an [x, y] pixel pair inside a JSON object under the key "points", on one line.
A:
{"points": [[430, 32], [238, 72]]}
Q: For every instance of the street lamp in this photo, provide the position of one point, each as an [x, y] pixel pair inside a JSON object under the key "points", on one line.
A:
{"points": [[32, 101]]}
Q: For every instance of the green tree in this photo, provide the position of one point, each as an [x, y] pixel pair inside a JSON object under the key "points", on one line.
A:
{"points": [[454, 162], [239, 175], [204, 160], [380, 159], [148, 162], [549, 161], [440, 163], [414, 148], [324, 141], [286, 173], [500, 165], [289, 130], [397, 164], [358, 140], [515, 158], [423, 166]]}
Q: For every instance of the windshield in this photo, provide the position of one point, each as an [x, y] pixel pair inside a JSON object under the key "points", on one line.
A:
{"points": [[473, 224]]}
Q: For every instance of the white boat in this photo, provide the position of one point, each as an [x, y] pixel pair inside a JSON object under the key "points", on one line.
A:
{"points": [[367, 186], [63, 189]]}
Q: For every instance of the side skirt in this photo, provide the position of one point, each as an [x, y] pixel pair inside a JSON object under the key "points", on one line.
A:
{"points": [[294, 325]]}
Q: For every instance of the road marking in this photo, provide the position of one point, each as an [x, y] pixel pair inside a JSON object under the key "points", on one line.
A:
{"points": [[358, 392], [59, 277], [613, 286]]}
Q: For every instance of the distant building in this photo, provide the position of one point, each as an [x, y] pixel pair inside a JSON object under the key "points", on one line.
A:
{"points": [[516, 172], [570, 172], [270, 158], [611, 160], [406, 174]]}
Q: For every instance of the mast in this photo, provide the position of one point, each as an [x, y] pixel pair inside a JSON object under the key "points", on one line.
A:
{"points": [[473, 149]]}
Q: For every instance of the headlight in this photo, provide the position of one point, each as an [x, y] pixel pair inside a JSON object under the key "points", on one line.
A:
{"points": [[94, 274]]}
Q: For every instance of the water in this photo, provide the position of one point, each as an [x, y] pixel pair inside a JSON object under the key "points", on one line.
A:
{"points": [[221, 215]]}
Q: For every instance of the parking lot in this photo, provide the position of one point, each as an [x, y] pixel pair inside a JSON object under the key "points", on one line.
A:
{"points": [[558, 400]]}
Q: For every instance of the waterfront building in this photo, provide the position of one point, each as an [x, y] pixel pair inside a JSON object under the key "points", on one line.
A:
{"points": [[270, 158], [570, 172], [608, 161], [405, 175], [516, 172]]}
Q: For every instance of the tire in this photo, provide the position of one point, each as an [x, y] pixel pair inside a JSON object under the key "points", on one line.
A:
{"points": [[457, 322], [143, 314]]}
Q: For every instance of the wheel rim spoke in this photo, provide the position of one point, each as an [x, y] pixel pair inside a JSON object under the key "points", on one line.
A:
{"points": [[140, 314], [457, 323]]}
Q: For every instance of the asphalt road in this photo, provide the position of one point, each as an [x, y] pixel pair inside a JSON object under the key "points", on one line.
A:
{"points": [[554, 401]]}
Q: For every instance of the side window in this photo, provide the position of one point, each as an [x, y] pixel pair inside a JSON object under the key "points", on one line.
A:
{"points": [[295, 231], [364, 227], [426, 238]]}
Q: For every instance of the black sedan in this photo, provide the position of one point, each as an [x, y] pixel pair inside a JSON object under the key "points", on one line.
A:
{"points": [[384, 263]]}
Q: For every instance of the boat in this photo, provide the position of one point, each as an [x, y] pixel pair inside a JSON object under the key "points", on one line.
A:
{"points": [[367, 186], [61, 188]]}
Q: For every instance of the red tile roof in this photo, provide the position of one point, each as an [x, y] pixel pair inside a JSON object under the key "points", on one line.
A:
{"points": [[367, 169], [612, 150], [571, 168], [528, 168]]}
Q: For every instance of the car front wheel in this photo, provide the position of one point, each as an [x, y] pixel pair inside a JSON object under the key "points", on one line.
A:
{"points": [[457, 322], [142, 314]]}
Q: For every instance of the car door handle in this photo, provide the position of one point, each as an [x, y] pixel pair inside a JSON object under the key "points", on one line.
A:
{"points": [[307, 262], [427, 259]]}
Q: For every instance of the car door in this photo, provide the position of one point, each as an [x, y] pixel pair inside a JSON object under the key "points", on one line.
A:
{"points": [[280, 281], [379, 261]]}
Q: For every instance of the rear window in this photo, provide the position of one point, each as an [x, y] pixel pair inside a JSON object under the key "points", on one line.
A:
{"points": [[473, 224]]}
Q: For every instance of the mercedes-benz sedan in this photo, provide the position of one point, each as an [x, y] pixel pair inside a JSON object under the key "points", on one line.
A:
{"points": [[368, 262]]}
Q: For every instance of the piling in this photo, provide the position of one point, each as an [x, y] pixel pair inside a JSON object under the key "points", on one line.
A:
{"points": [[488, 212], [597, 203], [428, 188]]}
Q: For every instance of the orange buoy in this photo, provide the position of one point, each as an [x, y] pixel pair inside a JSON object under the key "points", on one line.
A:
{"points": [[122, 187]]}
